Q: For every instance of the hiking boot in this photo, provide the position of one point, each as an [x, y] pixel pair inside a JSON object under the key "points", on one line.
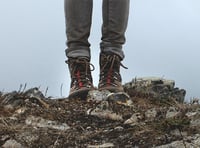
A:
{"points": [[110, 78], [81, 78]]}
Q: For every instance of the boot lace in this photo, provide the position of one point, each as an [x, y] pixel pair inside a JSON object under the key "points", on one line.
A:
{"points": [[109, 72], [80, 70]]}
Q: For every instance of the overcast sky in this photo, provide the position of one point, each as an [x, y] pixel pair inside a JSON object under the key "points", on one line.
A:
{"points": [[163, 40]]}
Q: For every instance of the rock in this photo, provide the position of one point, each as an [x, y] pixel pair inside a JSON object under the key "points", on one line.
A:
{"points": [[119, 128], [105, 95], [96, 95], [194, 101], [105, 145], [191, 114], [12, 144], [29, 136], [178, 133], [103, 110], [34, 93], [150, 114], [43, 123], [11, 100], [106, 101], [20, 110], [172, 112], [106, 114], [188, 142], [195, 122], [16, 99], [155, 87], [120, 98], [119, 121], [134, 120], [8, 97], [194, 118]]}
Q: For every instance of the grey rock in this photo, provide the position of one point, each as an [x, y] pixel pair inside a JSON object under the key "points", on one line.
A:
{"points": [[34, 93], [172, 112], [178, 133], [15, 99], [191, 114], [106, 114], [11, 100], [105, 95], [187, 142], [194, 118], [28, 136], [8, 97], [96, 95], [103, 110], [194, 101], [105, 145], [12, 144], [134, 120], [105, 99], [195, 122], [151, 114], [120, 98], [155, 87], [43, 123], [119, 128]]}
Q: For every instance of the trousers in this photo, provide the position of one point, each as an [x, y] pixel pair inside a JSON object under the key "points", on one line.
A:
{"points": [[78, 18]]}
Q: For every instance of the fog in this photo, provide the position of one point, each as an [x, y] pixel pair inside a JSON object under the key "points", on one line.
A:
{"points": [[162, 40]]}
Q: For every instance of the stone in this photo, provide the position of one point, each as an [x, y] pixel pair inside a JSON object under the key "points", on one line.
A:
{"points": [[172, 112], [105, 145], [34, 93], [195, 122], [187, 142], [103, 110], [106, 100], [28, 136], [134, 120], [43, 123], [8, 97], [96, 95], [12, 144], [155, 87], [106, 114], [177, 132], [105, 95], [119, 128], [120, 98], [151, 114], [11, 100]]}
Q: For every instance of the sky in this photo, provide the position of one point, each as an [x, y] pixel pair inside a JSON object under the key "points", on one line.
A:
{"points": [[162, 40]]}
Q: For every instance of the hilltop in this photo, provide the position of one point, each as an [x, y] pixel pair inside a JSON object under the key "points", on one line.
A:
{"points": [[152, 113]]}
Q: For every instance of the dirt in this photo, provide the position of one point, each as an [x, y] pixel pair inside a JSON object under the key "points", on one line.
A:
{"points": [[85, 130]]}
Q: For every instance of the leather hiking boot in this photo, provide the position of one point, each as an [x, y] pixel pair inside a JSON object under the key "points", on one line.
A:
{"points": [[81, 78], [110, 78]]}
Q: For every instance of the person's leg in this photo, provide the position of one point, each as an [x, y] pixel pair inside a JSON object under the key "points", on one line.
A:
{"points": [[78, 15], [115, 19]]}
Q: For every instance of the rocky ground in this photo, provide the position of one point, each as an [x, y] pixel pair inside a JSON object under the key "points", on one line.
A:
{"points": [[152, 114]]}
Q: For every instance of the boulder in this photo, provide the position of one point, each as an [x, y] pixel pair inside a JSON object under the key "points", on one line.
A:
{"points": [[155, 87]]}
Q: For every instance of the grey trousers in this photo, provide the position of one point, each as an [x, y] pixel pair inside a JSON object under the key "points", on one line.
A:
{"points": [[78, 17]]}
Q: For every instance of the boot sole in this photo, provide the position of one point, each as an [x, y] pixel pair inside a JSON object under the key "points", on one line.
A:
{"points": [[112, 89], [81, 93]]}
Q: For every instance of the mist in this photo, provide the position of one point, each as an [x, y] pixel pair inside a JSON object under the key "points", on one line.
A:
{"points": [[162, 40]]}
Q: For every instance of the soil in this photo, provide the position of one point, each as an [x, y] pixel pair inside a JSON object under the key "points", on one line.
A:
{"points": [[87, 130]]}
